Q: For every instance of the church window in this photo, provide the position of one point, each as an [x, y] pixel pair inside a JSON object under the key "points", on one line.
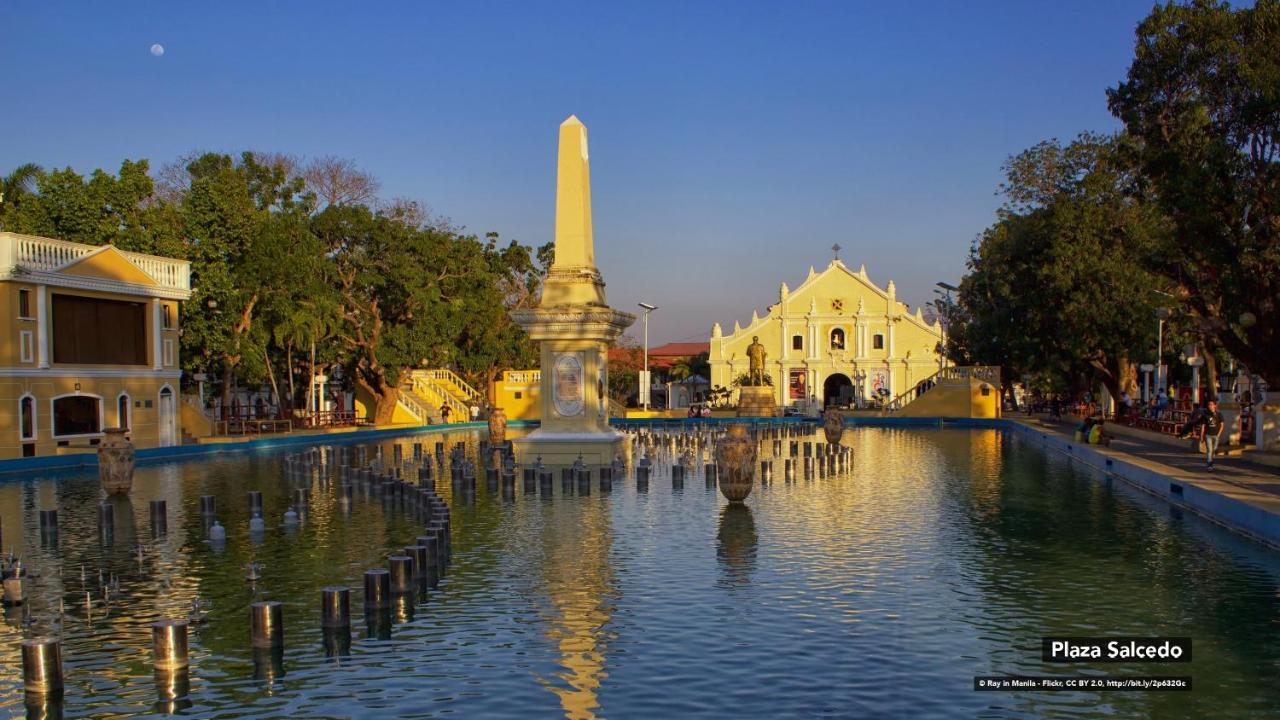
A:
{"points": [[837, 339], [877, 342], [797, 342]]}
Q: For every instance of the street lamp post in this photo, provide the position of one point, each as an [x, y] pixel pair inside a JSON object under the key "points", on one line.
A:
{"points": [[1162, 314], [942, 356], [644, 375]]}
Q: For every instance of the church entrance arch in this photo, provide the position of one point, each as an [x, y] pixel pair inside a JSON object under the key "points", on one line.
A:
{"points": [[837, 389]]}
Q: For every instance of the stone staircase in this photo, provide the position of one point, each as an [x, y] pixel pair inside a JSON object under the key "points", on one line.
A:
{"points": [[959, 391], [424, 394]]}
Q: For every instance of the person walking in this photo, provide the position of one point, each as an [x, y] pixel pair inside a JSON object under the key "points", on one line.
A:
{"points": [[1214, 424], [1210, 424]]}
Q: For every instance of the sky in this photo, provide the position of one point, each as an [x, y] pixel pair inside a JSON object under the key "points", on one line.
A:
{"points": [[732, 144]]}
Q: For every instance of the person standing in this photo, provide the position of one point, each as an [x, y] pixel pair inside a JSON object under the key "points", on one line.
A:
{"points": [[1213, 424], [444, 413], [475, 412]]}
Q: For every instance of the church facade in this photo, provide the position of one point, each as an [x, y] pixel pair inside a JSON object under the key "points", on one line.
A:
{"points": [[837, 339]]}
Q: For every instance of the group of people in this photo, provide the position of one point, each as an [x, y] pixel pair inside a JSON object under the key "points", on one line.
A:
{"points": [[446, 412]]}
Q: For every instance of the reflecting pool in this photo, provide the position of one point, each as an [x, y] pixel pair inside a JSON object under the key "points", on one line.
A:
{"points": [[878, 591]]}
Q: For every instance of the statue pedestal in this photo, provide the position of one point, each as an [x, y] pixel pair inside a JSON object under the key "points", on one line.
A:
{"points": [[756, 401]]}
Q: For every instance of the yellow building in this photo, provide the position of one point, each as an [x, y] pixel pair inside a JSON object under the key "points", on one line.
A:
{"points": [[837, 339], [519, 394], [91, 341]]}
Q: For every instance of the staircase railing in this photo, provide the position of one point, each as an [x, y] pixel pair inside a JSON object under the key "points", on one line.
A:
{"points": [[911, 393], [450, 383], [433, 394], [954, 375], [413, 405]]}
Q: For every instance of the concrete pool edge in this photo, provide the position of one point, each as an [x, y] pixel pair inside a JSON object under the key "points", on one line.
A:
{"points": [[1244, 511], [150, 456], [1253, 514]]}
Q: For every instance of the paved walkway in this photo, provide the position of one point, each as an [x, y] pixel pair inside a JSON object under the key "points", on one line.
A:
{"points": [[1233, 470]]}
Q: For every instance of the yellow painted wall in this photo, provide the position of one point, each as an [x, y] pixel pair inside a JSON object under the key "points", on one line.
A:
{"points": [[366, 405], [519, 394], [194, 422], [143, 420], [109, 264], [958, 400]]}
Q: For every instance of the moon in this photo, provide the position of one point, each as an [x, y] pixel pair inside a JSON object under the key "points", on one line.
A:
{"points": [[157, 49]]}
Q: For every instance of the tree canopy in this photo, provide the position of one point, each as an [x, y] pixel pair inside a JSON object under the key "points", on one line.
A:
{"points": [[290, 258], [1201, 104]]}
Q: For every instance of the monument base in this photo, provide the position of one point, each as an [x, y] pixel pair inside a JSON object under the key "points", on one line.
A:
{"points": [[756, 401], [563, 448]]}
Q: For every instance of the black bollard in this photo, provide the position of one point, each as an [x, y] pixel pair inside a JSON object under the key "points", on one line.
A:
{"points": [[267, 624], [377, 590], [42, 666], [335, 607], [169, 644]]}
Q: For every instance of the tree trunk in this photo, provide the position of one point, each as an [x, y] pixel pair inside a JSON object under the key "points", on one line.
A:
{"points": [[288, 360], [228, 373], [275, 389], [384, 396], [1210, 371]]}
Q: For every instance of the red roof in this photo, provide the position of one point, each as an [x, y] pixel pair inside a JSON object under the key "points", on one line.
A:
{"points": [[680, 349]]}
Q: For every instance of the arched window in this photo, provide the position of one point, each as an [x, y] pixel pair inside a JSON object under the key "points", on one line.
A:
{"points": [[837, 339], [877, 342], [122, 411], [27, 418], [75, 415]]}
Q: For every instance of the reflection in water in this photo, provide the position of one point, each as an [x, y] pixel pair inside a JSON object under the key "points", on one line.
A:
{"points": [[938, 555], [172, 689], [580, 586], [736, 545]]}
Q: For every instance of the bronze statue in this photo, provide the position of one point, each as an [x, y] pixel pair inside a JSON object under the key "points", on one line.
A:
{"points": [[756, 355]]}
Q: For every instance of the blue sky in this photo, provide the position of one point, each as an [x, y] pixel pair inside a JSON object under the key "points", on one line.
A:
{"points": [[731, 143]]}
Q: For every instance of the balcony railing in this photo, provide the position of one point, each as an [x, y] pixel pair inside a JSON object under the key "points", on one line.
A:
{"points": [[46, 254]]}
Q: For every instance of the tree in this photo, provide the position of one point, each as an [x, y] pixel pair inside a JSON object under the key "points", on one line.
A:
{"points": [[338, 181], [248, 238], [1058, 285], [15, 187], [1202, 104]]}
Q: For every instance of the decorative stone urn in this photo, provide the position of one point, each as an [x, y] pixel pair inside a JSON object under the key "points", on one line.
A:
{"points": [[497, 427], [833, 427], [115, 461], [736, 461]]}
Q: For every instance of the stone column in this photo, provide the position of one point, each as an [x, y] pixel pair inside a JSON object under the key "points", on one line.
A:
{"points": [[42, 326], [155, 334], [1230, 410], [1266, 423]]}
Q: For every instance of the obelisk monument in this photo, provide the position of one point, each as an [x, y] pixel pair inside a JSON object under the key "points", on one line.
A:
{"points": [[574, 326]]}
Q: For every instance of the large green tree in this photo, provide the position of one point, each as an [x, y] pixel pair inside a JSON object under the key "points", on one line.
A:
{"points": [[1202, 103], [246, 227], [1058, 287]]}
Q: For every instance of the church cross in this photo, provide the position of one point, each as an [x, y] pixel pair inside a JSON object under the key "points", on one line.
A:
{"points": [[835, 249]]}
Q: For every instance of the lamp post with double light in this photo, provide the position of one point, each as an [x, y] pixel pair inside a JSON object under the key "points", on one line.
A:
{"points": [[644, 374]]}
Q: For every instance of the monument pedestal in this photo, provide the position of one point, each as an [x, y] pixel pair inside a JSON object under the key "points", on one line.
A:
{"points": [[756, 401], [574, 327]]}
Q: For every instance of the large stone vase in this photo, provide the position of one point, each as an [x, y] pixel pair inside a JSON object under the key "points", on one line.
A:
{"points": [[497, 428], [833, 427], [736, 463], [115, 462]]}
